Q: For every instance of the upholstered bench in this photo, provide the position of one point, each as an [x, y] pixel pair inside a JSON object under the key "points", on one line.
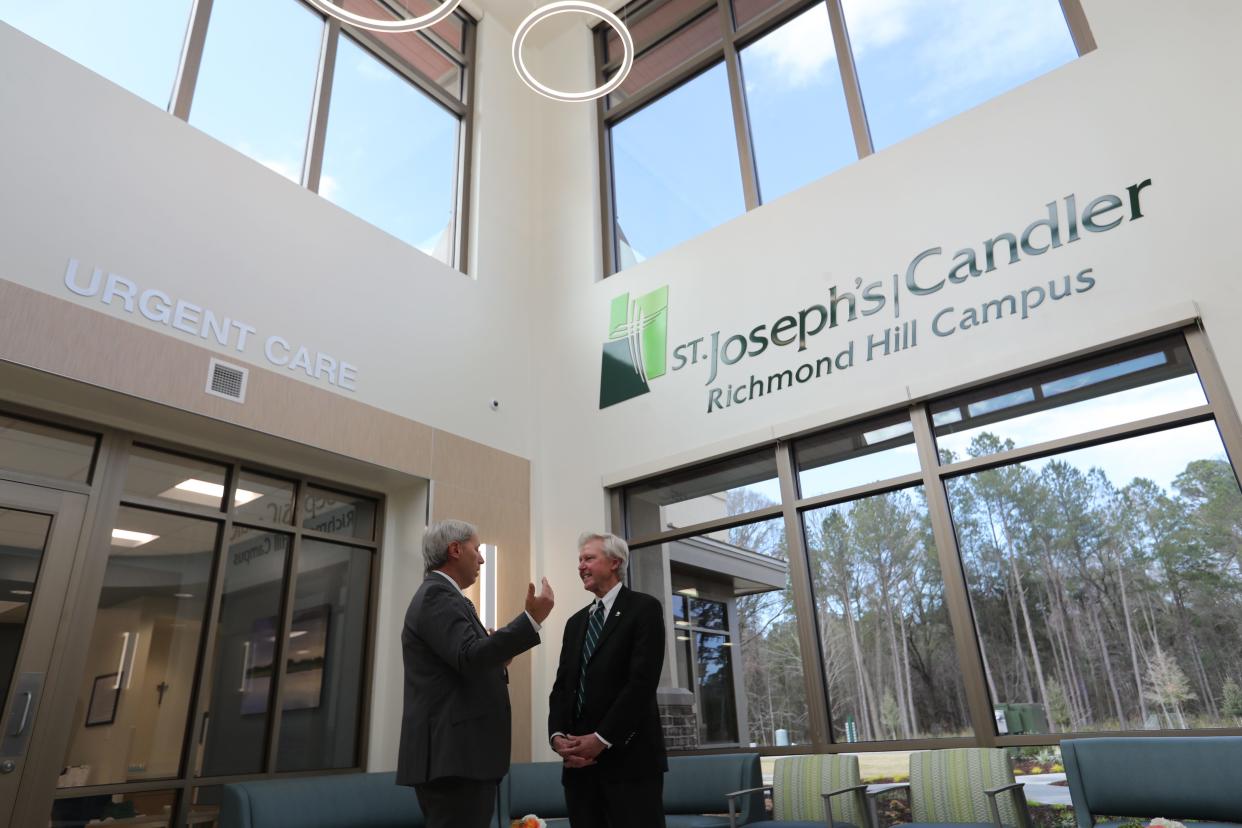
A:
{"points": [[1177, 777]]}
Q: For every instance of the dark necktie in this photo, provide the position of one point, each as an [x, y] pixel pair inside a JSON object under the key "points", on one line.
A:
{"points": [[595, 624]]}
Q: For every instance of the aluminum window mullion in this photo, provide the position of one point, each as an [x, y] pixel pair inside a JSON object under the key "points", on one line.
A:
{"points": [[706, 527], [191, 60], [660, 38], [1080, 30], [465, 154], [692, 66], [741, 120], [279, 657], [953, 577], [1223, 408], [849, 80], [312, 165], [805, 617]]}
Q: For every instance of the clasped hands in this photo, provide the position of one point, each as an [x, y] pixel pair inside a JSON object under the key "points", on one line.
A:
{"points": [[578, 751]]}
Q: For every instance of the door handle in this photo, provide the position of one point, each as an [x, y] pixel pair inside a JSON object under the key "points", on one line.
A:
{"points": [[21, 725]]}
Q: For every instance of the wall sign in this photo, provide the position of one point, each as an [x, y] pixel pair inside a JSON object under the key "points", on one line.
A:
{"points": [[204, 323], [636, 351]]}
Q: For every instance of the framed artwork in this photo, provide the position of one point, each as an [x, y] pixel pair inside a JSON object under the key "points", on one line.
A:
{"points": [[308, 643], [105, 693]]}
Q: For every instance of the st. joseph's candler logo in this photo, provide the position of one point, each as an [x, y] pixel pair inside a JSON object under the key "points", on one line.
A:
{"points": [[637, 348]]}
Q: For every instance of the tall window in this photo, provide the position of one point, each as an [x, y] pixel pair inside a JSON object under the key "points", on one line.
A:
{"points": [[376, 123], [733, 103], [1059, 552]]}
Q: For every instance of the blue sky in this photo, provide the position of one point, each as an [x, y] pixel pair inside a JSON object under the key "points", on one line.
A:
{"points": [[919, 62]]}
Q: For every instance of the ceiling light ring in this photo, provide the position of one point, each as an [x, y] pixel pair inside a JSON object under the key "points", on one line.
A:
{"points": [[564, 7], [410, 24]]}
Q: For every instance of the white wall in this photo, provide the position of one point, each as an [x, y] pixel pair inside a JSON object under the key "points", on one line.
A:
{"points": [[1151, 102]]}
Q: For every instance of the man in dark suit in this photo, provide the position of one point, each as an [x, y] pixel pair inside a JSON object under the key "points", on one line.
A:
{"points": [[455, 728], [603, 718]]}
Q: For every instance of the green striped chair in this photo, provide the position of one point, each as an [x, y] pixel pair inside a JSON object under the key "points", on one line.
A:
{"points": [[812, 792], [963, 787]]}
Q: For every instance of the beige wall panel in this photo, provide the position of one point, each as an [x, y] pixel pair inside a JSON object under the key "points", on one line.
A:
{"points": [[63, 338], [503, 518]]}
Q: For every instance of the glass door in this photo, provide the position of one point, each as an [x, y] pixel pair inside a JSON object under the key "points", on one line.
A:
{"points": [[39, 530]]}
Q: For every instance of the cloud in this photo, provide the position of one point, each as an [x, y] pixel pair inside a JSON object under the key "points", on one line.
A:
{"points": [[794, 55]]}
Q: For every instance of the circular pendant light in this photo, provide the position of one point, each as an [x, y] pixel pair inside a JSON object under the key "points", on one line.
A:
{"points": [[564, 7], [409, 24]]}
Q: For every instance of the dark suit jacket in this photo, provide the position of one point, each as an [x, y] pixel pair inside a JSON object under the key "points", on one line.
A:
{"points": [[456, 719], [621, 682]]}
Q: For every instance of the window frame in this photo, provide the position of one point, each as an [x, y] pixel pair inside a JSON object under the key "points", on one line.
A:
{"points": [[734, 40], [191, 62], [932, 477]]}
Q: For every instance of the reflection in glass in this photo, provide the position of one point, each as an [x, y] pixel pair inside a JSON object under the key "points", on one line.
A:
{"points": [[733, 587], [917, 66], [134, 701], [205, 806], [46, 451], [137, 808], [152, 32], [184, 480], [390, 153], [327, 650], [888, 647], [23, 535], [675, 169], [261, 497], [716, 707], [337, 513], [856, 455], [1142, 381], [799, 124], [257, 80], [1107, 585], [731, 487], [242, 665]]}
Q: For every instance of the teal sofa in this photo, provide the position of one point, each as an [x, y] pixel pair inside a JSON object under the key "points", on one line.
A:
{"points": [[694, 796], [1176, 777], [694, 790]]}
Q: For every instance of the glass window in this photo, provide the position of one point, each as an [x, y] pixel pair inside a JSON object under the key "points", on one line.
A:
{"points": [[327, 652], [731, 487], [350, 516], [413, 49], [256, 83], [241, 672], [91, 33], [657, 62], [730, 589], [205, 806], [134, 808], [1106, 584], [745, 11], [390, 153], [855, 456], [675, 168], [46, 451], [920, 63], [799, 125], [143, 657], [185, 480], [452, 29], [1139, 382], [23, 536], [888, 648], [263, 497]]}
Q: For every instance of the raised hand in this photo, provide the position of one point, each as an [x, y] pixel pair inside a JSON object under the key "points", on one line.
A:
{"points": [[539, 606]]}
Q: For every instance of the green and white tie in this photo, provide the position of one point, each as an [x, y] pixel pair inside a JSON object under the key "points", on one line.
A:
{"points": [[595, 624]]}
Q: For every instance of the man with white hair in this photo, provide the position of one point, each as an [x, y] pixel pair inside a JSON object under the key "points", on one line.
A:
{"points": [[603, 719], [455, 728]]}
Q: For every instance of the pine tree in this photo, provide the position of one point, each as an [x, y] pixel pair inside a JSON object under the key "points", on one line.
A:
{"points": [[1232, 699]]}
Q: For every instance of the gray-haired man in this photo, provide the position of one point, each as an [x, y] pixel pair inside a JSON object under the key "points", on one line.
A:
{"points": [[455, 728]]}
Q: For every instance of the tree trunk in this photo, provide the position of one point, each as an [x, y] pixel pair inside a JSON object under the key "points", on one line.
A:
{"points": [[1134, 660]]}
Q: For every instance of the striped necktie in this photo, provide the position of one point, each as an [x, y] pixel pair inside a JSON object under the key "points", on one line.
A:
{"points": [[594, 625]]}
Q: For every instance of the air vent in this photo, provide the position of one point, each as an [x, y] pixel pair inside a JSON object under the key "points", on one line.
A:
{"points": [[228, 381]]}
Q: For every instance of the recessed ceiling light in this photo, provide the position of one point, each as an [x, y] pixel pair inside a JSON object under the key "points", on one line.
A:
{"points": [[683, 638], [691, 591], [297, 633], [124, 537], [21, 592], [302, 652], [183, 594]]}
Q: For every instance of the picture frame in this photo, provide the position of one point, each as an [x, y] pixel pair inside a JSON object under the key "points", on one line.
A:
{"points": [[105, 695]]}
